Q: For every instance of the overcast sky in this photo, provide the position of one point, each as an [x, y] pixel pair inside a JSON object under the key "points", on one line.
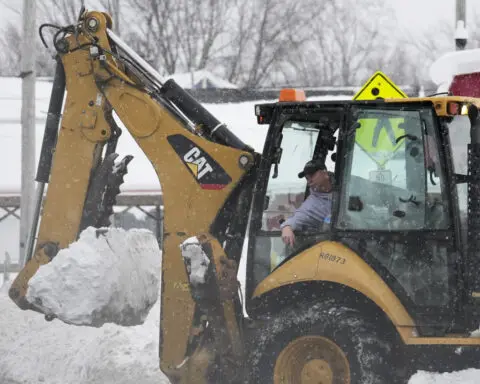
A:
{"points": [[415, 15], [422, 14]]}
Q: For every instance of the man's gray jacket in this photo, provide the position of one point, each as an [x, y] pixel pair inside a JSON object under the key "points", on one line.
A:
{"points": [[313, 213]]}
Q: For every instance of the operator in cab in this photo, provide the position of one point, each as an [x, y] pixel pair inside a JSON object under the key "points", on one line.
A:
{"points": [[315, 211]]}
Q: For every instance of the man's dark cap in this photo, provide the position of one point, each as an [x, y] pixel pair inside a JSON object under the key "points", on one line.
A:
{"points": [[311, 167]]}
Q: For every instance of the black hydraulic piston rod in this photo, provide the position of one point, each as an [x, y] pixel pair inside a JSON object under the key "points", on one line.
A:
{"points": [[200, 116], [51, 126], [182, 100], [46, 155]]}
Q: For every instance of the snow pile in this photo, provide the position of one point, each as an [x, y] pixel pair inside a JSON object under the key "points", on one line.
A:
{"points": [[467, 376], [107, 276], [195, 259], [33, 350], [455, 63], [5, 286]]}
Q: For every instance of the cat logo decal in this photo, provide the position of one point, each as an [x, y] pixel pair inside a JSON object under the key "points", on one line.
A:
{"points": [[208, 173]]}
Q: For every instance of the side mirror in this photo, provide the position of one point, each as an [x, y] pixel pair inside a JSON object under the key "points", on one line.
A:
{"points": [[472, 114], [475, 124], [356, 126]]}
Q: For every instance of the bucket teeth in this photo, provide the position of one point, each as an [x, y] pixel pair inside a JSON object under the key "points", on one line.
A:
{"points": [[103, 192]]}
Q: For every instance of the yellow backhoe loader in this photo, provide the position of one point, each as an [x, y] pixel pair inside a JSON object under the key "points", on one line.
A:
{"points": [[390, 285]]}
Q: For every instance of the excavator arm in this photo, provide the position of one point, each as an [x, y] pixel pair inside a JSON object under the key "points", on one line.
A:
{"points": [[201, 167]]}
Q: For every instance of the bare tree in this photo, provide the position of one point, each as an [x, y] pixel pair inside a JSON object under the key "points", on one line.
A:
{"points": [[204, 23], [280, 42], [10, 53], [424, 48], [10, 50], [14, 8], [345, 35], [474, 31], [257, 42], [155, 37], [248, 41], [397, 60], [278, 31], [242, 27], [178, 34], [113, 8], [66, 12], [60, 12]]}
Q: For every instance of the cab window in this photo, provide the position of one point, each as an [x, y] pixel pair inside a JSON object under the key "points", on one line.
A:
{"points": [[285, 191], [393, 179], [394, 188]]}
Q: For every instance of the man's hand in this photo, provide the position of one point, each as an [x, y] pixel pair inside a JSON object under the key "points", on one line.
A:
{"points": [[288, 236]]}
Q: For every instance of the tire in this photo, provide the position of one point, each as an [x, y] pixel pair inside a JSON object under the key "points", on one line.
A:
{"points": [[324, 343]]}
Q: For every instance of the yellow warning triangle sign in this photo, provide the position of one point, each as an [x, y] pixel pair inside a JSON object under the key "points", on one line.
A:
{"points": [[379, 86], [378, 131]]}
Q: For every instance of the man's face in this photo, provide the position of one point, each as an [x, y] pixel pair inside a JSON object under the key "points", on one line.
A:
{"points": [[319, 180]]}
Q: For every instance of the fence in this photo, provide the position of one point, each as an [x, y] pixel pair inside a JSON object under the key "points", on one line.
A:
{"points": [[150, 206]]}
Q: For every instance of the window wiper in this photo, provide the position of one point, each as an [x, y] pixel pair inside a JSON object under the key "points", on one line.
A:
{"points": [[276, 160], [433, 172], [406, 136], [412, 199], [399, 213]]}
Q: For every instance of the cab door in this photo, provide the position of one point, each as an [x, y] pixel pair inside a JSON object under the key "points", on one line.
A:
{"points": [[293, 140], [394, 208]]}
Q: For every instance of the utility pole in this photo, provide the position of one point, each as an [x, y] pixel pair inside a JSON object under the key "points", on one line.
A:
{"points": [[28, 77], [116, 16], [461, 33]]}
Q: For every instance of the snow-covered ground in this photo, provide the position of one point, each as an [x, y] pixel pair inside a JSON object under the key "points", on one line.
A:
{"points": [[468, 376], [33, 350], [88, 283]]}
